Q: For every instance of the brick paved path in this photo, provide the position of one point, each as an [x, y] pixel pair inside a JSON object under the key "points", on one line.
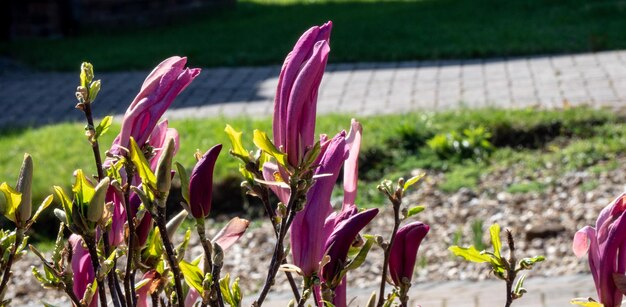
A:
{"points": [[361, 88]]}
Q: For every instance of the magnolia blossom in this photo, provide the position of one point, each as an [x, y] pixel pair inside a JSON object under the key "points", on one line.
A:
{"points": [[309, 229], [340, 240], [82, 268], [201, 183], [606, 244], [157, 93], [404, 251], [295, 103]]}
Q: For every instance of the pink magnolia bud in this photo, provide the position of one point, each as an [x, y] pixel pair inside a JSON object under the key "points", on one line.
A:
{"points": [[118, 219], [295, 104], [404, 251], [201, 183], [339, 242], [81, 267], [157, 93]]}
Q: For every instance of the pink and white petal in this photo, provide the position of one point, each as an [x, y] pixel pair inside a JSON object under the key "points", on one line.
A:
{"points": [[231, 232], [581, 242]]}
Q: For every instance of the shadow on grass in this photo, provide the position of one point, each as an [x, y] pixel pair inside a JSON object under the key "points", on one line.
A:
{"points": [[262, 32]]}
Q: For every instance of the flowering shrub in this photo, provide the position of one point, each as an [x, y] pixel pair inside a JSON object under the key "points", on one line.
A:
{"points": [[120, 249]]}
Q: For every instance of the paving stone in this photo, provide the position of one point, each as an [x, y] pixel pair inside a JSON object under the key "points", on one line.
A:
{"points": [[359, 88]]}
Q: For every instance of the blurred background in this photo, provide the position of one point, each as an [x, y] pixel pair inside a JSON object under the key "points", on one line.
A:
{"points": [[136, 34], [514, 109]]}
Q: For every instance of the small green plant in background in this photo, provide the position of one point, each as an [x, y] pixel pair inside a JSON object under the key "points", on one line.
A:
{"points": [[502, 267], [472, 143], [477, 234], [526, 187]]}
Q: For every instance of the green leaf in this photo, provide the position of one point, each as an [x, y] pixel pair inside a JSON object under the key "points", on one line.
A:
{"points": [[103, 126], [494, 231], [360, 257], [262, 141], [237, 296], [83, 189], [182, 247], [94, 89], [415, 210], [13, 199], [44, 204], [311, 155], [148, 179], [527, 263], [225, 289], [154, 248], [519, 286], [193, 275], [86, 74], [65, 202], [114, 170], [412, 181], [235, 141], [470, 254], [184, 181]]}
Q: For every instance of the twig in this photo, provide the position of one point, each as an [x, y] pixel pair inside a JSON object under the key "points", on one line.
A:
{"points": [[265, 199], [93, 253], [129, 282], [19, 237], [169, 252], [114, 287], [208, 264], [155, 299], [70, 292], [215, 274], [511, 271], [396, 218], [278, 256]]}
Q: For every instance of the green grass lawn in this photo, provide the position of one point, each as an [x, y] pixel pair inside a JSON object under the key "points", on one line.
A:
{"points": [[259, 32], [393, 145]]}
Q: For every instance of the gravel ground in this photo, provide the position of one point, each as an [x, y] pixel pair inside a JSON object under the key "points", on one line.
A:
{"points": [[543, 223]]}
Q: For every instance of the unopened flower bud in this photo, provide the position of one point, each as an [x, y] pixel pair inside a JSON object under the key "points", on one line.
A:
{"points": [[164, 170], [201, 183], [96, 205], [60, 214], [175, 222], [218, 255], [24, 184]]}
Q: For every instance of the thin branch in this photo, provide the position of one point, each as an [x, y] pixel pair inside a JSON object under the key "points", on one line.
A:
{"points": [[208, 264], [265, 199], [511, 271], [93, 253], [396, 218], [19, 237], [169, 253], [278, 256], [114, 287], [129, 282]]}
